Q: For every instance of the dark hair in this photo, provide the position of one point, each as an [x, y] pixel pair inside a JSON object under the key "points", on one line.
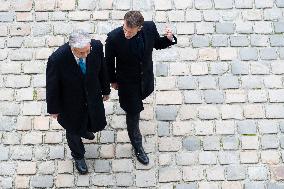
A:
{"points": [[134, 19]]}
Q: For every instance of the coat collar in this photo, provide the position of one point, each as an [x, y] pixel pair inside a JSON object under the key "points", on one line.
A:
{"points": [[74, 65], [125, 41]]}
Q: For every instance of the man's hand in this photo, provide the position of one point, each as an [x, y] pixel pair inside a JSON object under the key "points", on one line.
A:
{"points": [[169, 33], [114, 85], [54, 116], [105, 97]]}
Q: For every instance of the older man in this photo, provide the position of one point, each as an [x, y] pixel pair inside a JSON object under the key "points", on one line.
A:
{"points": [[131, 45], [76, 85]]}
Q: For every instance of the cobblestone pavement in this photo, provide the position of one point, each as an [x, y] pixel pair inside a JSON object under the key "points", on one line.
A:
{"points": [[215, 121]]}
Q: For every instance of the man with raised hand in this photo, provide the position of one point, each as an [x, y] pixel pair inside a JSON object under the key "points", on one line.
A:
{"points": [[128, 53]]}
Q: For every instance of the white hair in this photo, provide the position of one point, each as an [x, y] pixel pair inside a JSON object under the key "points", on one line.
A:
{"points": [[79, 39]]}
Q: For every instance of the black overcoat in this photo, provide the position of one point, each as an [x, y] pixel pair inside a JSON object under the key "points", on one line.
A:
{"points": [[75, 96], [134, 75]]}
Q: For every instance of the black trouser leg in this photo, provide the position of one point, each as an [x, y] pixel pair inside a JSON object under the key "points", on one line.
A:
{"points": [[76, 145], [132, 122]]}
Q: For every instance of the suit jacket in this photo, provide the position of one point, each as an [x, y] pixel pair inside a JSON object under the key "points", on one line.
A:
{"points": [[76, 96], [128, 70]]}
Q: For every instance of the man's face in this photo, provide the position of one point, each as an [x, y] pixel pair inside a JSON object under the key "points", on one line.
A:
{"points": [[130, 32], [82, 52]]}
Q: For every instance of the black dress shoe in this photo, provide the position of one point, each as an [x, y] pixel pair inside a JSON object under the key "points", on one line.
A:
{"points": [[81, 166], [89, 136], [141, 155]]}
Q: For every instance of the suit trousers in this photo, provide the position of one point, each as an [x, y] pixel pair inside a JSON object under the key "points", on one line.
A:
{"points": [[76, 145], [132, 122]]}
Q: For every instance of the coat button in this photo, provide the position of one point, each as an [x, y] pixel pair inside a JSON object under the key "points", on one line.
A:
{"points": [[141, 73]]}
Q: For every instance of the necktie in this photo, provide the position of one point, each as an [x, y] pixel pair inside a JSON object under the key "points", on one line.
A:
{"points": [[82, 65]]}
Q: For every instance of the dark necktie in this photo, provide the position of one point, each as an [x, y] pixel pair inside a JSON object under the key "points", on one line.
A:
{"points": [[82, 65]]}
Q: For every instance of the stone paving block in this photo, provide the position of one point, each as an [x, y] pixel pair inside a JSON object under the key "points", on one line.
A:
{"points": [[235, 96], [207, 158], [162, 5], [211, 143], [186, 186], [122, 165], [185, 28], [229, 82], [191, 143], [147, 178], [270, 157], [219, 41], [204, 185], [42, 181], [22, 182], [6, 182], [264, 4], [258, 173], [187, 158], [236, 172], [244, 27], [204, 28], [102, 166], [231, 112], [169, 144], [211, 16], [249, 157], [182, 128], [48, 167], [124, 179], [230, 143], [165, 159], [56, 152], [204, 128], [227, 157], [225, 127], [247, 127], [274, 111], [123, 151], [208, 112], [206, 4], [7, 168], [213, 96], [106, 151], [193, 173], [26, 168], [166, 113], [269, 142], [232, 185], [259, 40], [218, 68], [268, 127], [215, 173], [179, 4], [64, 180]]}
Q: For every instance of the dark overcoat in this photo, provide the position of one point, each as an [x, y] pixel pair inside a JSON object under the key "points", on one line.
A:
{"points": [[134, 75], [77, 98]]}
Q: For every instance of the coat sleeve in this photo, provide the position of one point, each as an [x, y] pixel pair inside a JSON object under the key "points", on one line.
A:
{"points": [[110, 60], [103, 75], [52, 88], [161, 42]]}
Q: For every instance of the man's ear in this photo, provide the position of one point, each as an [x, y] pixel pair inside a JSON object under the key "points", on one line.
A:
{"points": [[140, 28]]}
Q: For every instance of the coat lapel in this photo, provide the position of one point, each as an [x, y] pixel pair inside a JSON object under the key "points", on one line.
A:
{"points": [[145, 40], [75, 69]]}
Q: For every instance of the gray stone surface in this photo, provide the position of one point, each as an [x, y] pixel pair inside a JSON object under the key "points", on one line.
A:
{"points": [[215, 119]]}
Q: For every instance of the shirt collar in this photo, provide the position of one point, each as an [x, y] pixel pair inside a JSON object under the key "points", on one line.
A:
{"points": [[77, 59]]}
